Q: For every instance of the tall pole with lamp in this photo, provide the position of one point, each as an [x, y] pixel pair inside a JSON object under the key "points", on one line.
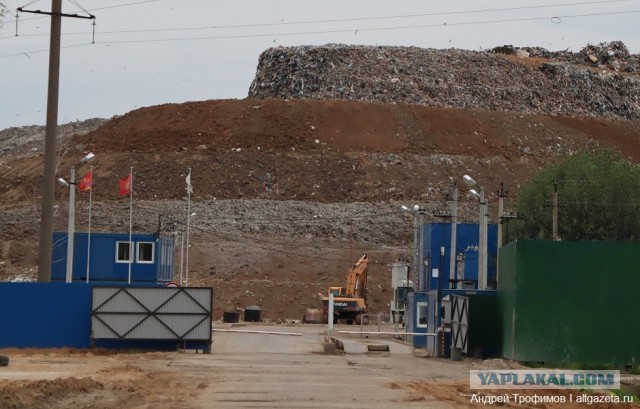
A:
{"points": [[423, 276], [483, 229], [414, 265], [189, 191], [419, 277], [89, 226], [454, 237], [72, 214]]}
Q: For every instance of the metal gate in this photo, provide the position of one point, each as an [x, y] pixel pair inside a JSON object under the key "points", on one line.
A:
{"points": [[459, 322], [151, 313]]}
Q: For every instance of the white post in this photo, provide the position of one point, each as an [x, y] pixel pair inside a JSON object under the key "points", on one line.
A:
{"points": [[71, 224], [416, 251], [131, 249], [482, 256], [424, 278], [188, 228], [454, 234], [330, 314], [181, 257], [89, 226]]}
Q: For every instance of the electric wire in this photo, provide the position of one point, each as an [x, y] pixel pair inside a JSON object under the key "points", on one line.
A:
{"points": [[356, 19], [93, 9], [553, 19]]}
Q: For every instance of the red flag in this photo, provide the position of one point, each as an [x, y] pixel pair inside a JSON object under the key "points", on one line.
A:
{"points": [[86, 182], [125, 185]]}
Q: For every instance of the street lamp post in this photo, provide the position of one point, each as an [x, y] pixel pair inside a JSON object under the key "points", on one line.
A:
{"points": [[418, 246], [483, 230], [440, 269], [72, 214]]}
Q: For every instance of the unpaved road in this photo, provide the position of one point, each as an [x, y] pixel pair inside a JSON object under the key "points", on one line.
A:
{"points": [[244, 371], [292, 372]]}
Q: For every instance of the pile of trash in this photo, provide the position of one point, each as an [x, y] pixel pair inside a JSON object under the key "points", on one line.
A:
{"points": [[612, 56], [598, 81]]}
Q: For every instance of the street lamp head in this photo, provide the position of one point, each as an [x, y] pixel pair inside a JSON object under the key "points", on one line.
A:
{"points": [[90, 156], [416, 208], [404, 208], [63, 182], [469, 180], [474, 193]]}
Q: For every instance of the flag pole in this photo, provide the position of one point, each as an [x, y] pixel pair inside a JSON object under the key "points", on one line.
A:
{"points": [[130, 220], [89, 227], [181, 257], [188, 225]]}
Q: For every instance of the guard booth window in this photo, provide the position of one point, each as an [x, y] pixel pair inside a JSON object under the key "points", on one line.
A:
{"points": [[123, 251], [421, 314], [145, 252]]}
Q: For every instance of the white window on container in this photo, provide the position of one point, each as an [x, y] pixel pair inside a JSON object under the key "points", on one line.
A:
{"points": [[421, 314], [145, 252], [123, 251]]}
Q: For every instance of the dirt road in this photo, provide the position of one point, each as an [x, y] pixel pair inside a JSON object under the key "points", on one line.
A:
{"points": [[244, 371]]}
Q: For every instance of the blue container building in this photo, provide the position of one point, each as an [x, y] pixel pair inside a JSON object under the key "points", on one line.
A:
{"points": [[438, 236], [109, 255]]}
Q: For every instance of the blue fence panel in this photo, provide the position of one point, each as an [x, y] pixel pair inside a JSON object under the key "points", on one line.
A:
{"points": [[45, 315]]}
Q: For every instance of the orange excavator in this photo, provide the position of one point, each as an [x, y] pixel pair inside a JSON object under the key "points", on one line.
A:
{"points": [[350, 302]]}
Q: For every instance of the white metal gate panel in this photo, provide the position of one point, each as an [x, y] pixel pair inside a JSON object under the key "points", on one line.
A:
{"points": [[459, 322], [151, 313]]}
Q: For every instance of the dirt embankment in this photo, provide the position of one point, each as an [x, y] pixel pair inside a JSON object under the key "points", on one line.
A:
{"points": [[289, 193]]}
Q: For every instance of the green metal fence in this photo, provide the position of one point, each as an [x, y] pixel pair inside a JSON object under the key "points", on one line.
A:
{"points": [[570, 302]]}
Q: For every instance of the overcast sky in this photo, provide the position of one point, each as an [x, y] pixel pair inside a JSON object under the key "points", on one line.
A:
{"points": [[163, 51]]}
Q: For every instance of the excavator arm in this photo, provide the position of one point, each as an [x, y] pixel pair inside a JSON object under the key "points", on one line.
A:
{"points": [[357, 279]]}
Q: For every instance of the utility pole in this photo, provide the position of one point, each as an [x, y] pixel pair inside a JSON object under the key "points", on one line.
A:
{"points": [[50, 138], [502, 194], [454, 235], [482, 259], [416, 250], [50, 142], [71, 227], [423, 279], [554, 201], [418, 244]]}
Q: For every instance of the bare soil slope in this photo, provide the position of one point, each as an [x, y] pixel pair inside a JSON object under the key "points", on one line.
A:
{"points": [[289, 193]]}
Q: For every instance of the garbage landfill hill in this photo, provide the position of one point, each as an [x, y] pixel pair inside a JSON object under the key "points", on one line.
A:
{"points": [[288, 192]]}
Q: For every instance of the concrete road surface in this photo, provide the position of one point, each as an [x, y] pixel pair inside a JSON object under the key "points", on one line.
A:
{"points": [[285, 371]]}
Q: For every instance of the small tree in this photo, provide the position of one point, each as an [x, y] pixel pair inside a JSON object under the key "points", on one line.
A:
{"points": [[599, 196]]}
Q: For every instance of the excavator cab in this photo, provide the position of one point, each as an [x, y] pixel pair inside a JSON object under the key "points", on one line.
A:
{"points": [[337, 291]]}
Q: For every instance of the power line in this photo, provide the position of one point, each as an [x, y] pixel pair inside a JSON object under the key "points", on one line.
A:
{"points": [[356, 19], [553, 19], [94, 9]]}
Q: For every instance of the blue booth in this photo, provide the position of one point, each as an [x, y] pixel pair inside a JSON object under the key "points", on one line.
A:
{"points": [[437, 237], [108, 257]]}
